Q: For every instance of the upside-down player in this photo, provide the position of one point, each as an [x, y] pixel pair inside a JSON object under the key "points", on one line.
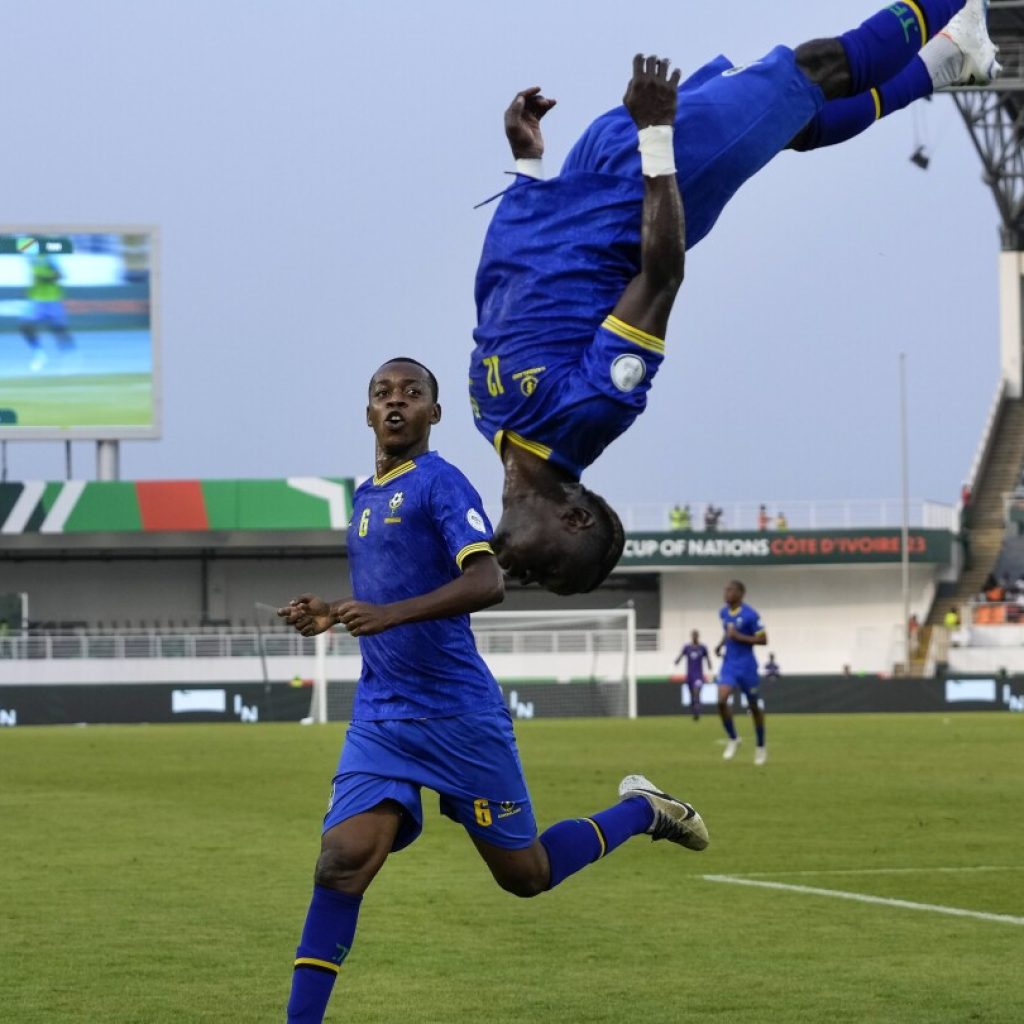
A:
{"points": [[427, 710], [742, 631], [579, 272]]}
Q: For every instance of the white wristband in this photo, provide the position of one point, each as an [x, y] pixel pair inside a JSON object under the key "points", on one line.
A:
{"points": [[657, 157], [530, 167]]}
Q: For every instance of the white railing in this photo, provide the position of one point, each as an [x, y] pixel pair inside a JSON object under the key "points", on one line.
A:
{"points": [[854, 514], [244, 643]]}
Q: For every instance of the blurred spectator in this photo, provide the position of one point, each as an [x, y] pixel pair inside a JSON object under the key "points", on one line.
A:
{"points": [[846, 671], [951, 620], [914, 632], [712, 517], [762, 518], [679, 518], [781, 522], [771, 668]]}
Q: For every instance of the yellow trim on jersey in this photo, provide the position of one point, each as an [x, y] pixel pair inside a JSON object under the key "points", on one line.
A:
{"points": [[393, 474], [760, 632], [476, 548], [600, 837], [634, 334], [877, 97], [313, 962], [542, 451], [919, 14]]}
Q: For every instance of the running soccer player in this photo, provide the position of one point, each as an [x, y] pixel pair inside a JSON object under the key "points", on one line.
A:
{"points": [[579, 272], [696, 655], [742, 632], [427, 711], [46, 305]]}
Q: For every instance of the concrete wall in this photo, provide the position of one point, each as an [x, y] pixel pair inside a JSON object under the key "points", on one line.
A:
{"points": [[818, 618]]}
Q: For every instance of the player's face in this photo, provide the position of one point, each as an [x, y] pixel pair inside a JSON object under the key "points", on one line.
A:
{"points": [[402, 408], [733, 595], [695, 637], [537, 551]]}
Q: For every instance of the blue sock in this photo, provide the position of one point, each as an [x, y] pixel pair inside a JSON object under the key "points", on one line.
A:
{"points": [[577, 842], [326, 940], [759, 729], [730, 727], [840, 120], [886, 42]]}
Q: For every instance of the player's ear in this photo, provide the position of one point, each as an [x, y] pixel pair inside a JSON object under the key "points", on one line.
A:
{"points": [[577, 518], [435, 413], [369, 422]]}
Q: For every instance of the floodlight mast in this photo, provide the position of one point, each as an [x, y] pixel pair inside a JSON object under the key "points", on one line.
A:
{"points": [[994, 116]]}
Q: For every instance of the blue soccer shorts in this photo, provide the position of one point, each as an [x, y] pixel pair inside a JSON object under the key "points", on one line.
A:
{"points": [[470, 760], [746, 678]]}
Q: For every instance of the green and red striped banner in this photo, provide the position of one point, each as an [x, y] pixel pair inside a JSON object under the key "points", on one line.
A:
{"points": [[147, 506]]}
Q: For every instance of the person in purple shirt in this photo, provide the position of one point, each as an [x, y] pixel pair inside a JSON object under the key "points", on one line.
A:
{"points": [[696, 655]]}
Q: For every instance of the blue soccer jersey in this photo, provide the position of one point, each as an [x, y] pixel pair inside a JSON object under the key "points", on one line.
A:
{"points": [[739, 661], [552, 370], [411, 531]]}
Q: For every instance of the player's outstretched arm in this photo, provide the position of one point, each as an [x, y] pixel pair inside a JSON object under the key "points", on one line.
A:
{"points": [[480, 586], [308, 614], [651, 101]]}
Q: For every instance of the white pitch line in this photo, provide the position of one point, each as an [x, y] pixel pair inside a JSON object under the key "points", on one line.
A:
{"points": [[859, 897], [876, 871]]}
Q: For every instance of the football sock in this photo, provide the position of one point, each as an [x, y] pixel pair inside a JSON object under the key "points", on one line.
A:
{"points": [[577, 842], [730, 727], [326, 940], [886, 42], [840, 120], [759, 729]]}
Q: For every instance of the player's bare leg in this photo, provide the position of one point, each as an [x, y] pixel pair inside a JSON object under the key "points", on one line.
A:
{"points": [[354, 851], [757, 713]]}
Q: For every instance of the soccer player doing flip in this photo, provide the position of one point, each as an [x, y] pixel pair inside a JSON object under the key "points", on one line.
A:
{"points": [[579, 272]]}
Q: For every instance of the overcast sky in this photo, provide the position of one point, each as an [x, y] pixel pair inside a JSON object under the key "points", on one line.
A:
{"points": [[312, 166]]}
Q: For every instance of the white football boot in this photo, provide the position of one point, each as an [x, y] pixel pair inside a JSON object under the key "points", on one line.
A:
{"points": [[730, 748], [760, 755], [968, 29], [674, 820]]}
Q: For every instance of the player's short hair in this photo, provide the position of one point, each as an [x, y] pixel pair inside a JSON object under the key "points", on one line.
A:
{"points": [[431, 379], [602, 544], [738, 583]]}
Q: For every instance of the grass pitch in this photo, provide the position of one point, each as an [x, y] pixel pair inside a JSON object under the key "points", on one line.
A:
{"points": [[81, 400], [161, 874]]}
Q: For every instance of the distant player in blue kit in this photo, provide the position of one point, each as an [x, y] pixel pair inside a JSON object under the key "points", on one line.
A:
{"points": [[428, 712], [742, 632], [697, 656], [579, 272]]}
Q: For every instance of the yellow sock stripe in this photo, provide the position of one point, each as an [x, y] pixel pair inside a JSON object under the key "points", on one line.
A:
{"points": [[541, 450], [919, 14], [876, 96], [309, 961], [396, 472], [473, 549], [600, 837], [634, 334]]}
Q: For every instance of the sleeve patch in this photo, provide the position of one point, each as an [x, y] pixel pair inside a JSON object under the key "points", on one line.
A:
{"points": [[476, 520]]}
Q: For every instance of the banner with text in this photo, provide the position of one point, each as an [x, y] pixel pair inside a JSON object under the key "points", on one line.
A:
{"points": [[807, 547]]}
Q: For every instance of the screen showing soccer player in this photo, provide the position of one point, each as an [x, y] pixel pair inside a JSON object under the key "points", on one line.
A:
{"points": [[76, 338]]}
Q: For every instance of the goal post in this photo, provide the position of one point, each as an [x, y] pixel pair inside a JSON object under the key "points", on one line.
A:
{"points": [[565, 649]]}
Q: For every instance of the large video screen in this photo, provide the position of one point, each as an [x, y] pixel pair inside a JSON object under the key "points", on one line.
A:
{"points": [[78, 350]]}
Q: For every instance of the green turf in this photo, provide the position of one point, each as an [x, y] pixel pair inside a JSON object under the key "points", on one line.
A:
{"points": [[160, 874], [81, 400]]}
